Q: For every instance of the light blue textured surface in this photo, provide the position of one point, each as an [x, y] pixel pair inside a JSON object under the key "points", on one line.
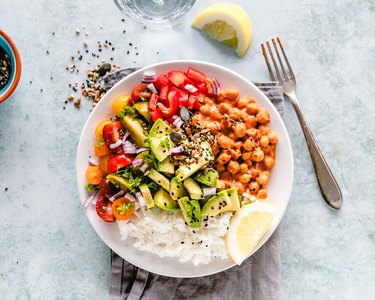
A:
{"points": [[48, 250]]}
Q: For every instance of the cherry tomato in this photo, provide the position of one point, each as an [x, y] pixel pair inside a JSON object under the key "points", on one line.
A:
{"points": [[119, 102], [119, 161], [111, 132], [139, 91], [94, 175], [123, 209], [99, 129], [104, 209], [106, 189]]}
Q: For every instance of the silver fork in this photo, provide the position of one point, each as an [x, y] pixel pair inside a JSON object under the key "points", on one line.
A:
{"points": [[327, 182]]}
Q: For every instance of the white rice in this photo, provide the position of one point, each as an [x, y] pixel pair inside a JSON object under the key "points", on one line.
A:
{"points": [[164, 233]]}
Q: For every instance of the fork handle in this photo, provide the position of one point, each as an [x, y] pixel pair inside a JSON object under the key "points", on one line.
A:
{"points": [[327, 182]]}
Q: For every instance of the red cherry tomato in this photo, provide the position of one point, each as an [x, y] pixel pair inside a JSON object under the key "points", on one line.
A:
{"points": [[104, 209], [106, 188], [111, 132], [139, 91], [119, 161]]}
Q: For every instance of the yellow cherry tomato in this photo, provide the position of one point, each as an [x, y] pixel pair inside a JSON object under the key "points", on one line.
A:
{"points": [[94, 175], [99, 129], [119, 102]]}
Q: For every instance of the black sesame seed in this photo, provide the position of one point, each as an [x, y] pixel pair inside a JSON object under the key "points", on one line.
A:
{"points": [[182, 242], [6, 189], [130, 44]]}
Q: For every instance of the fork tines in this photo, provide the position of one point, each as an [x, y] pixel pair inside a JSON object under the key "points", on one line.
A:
{"points": [[285, 75]]}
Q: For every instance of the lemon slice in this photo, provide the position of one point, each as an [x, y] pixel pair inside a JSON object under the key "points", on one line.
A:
{"points": [[246, 229], [227, 23]]}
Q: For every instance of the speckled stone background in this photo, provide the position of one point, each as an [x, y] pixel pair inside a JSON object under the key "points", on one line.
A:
{"points": [[48, 250]]}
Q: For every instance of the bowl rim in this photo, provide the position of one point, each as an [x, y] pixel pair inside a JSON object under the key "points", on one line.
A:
{"points": [[17, 74]]}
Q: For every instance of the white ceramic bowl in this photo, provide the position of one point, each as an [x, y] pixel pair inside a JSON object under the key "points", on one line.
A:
{"points": [[279, 188]]}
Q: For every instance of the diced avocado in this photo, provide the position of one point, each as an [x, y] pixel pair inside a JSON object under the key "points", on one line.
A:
{"points": [[186, 171], [135, 130], [161, 147], [164, 201], [145, 191], [143, 110], [235, 199], [191, 211], [177, 189], [160, 128], [193, 188], [159, 179], [119, 182], [207, 176], [217, 204], [166, 166]]}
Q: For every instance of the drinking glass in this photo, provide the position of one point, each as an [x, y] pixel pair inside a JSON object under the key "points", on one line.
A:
{"points": [[155, 12]]}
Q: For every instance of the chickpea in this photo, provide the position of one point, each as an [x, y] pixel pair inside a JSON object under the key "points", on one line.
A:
{"points": [[246, 155], [224, 108], [242, 102], [235, 114], [254, 186], [239, 130], [268, 149], [257, 136], [250, 100], [195, 120], [250, 121], [205, 110], [249, 163], [220, 168], [263, 116], [231, 94], [220, 184], [249, 144], [257, 155], [244, 168], [216, 115], [263, 129], [238, 145], [215, 148], [269, 162], [233, 167], [223, 158], [254, 172], [241, 189], [245, 178], [252, 108], [263, 178], [235, 154], [272, 136], [209, 101], [251, 132], [225, 175], [262, 194], [212, 127], [224, 142], [264, 141]]}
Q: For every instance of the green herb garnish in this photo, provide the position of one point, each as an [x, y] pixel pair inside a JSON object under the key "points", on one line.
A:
{"points": [[165, 143], [123, 208], [92, 187], [133, 180], [127, 110]]}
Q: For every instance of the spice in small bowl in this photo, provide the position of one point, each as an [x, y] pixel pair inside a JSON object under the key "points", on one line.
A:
{"points": [[5, 68]]}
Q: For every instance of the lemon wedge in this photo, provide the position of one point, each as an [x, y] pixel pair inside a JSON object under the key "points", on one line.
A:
{"points": [[227, 23], [246, 229]]}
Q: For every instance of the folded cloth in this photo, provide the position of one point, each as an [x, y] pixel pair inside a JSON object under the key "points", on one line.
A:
{"points": [[257, 278]]}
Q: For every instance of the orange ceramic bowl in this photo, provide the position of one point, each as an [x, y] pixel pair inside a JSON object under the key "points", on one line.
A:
{"points": [[10, 48]]}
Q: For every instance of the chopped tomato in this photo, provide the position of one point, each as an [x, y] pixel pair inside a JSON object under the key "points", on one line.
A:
{"points": [[195, 75], [153, 101], [94, 175], [104, 209], [161, 81], [202, 88], [156, 114], [101, 150], [164, 92], [173, 104], [119, 161], [191, 101], [111, 132], [178, 78], [123, 209], [140, 91]]}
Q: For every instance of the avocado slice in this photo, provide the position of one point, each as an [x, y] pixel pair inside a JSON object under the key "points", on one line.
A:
{"points": [[164, 201], [159, 179], [119, 182], [235, 199], [217, 204], [193, 188], [191, 211], [143, 110], [208, 177], [145, 191], [161, 147], [135, 130], [186, 171], [177, 189], [160, 128], [166, 166]]}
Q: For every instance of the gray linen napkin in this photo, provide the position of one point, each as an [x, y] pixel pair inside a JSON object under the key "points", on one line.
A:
{"points": [[258, 278]]}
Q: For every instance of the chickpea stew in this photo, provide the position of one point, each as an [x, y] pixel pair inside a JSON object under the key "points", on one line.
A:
{"points": [[244, 146]]}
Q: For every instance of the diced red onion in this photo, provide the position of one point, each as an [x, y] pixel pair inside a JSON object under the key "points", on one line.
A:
{"points": [[184, 114], [149, 76], [116, 196], [177, 150], [209, 191], [130, 197], [115, 145], [178, 123], [137, 162], [129, 148], [144, 167], [191, 88], [91, 199], [141, 199], [125, 137], [136, 206], [94, 161], [215, 87], [152, 88], [174, 117], [142, 150]]}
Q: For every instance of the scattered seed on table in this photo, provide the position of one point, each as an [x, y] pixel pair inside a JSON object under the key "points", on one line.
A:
{"points": [[130, 44], [77, 31]]}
